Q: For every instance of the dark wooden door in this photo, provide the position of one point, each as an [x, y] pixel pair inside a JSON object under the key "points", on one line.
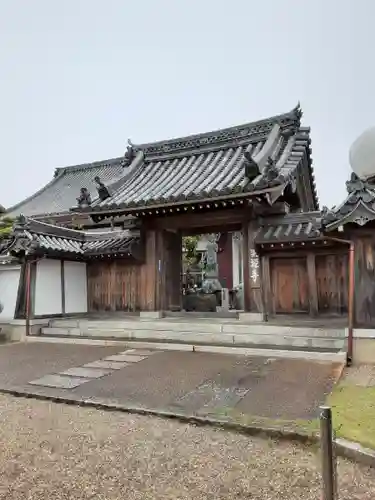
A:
{"points": [[289, 285], [332, 283]]}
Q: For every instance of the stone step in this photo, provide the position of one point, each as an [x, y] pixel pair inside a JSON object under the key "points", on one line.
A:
{"points": [[203, 337], [319, 356], [223, 327]]}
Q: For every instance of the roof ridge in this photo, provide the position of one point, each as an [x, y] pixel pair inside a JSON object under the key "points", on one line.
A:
{"points": [[293, 116], [60, 172], [34, 195], [87, 166]]}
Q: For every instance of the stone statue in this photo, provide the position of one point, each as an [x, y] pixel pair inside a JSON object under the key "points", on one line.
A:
{"points": [[251, 167], [212, 283], [211, 256], [84, 199], [270, 171], [129, 154], [103, 192]]}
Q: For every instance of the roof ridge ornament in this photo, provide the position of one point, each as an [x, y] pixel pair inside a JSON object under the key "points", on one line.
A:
{"points": [[129, 155], [101, 188], [84, 198], [297, 111], [250, 165]]}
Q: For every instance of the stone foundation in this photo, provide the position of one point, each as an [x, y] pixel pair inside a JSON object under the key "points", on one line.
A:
{"points": [[15, 330]]}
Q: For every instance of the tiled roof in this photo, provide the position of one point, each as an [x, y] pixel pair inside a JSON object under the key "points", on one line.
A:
{"points": [[296, 227], [60, 194], [357, 208], [32, 236], [213, 164]]}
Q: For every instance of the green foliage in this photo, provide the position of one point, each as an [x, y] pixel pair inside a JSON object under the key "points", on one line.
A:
{"points": [[189, 247], [6, 224]]}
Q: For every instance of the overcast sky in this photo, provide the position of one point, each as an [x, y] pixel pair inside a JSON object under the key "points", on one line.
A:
{"points": [[78, 77]]}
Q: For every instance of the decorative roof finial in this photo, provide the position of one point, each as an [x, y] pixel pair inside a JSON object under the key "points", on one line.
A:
{"points": [[129, 154], [297, 111], [251, 167], [103, 192], [84, 198]]}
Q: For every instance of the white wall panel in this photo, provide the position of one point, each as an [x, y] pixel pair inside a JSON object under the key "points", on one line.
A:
{"points": [[75, 278], [9, 281], [48, 293]]}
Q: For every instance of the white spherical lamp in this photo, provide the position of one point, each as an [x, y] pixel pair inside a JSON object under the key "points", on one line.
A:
{"points": [[362, 155]]}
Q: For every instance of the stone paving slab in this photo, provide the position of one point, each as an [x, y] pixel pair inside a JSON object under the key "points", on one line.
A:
{"points": [[59, 381], [86, 372], [127, 358], [22, 362], [104, 363], [363, 376], [138, 352]]}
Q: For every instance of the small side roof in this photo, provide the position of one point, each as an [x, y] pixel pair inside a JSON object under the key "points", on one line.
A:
{"points": [[31, 236], [358, 207], [60, 194], [289, 229]]}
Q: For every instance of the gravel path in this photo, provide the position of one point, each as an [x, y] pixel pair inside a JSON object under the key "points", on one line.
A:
{"points": [[51, 451]]}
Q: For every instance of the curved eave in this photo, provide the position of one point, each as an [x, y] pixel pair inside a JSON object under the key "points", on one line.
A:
{"points": [[50, 184], [360, 215], [221, 200]]}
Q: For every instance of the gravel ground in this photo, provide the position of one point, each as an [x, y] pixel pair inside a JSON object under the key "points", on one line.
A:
{"points": [[51, 451]]}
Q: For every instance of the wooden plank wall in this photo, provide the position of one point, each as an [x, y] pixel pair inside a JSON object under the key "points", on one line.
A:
{"points": [[169, 269], [289, 285], [365, 282], [332, 283], [120, 285], [312, 283]]}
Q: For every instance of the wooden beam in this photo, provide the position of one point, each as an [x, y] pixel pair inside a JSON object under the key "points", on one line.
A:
{"points": [[19, 312], [313, 291], [62, 270], [226, 218]]}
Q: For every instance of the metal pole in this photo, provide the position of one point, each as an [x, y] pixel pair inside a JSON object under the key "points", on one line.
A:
{"points": [[328, 457]]}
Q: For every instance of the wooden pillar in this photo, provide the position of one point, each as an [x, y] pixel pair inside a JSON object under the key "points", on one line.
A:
{"points": [[246, 266], [313, 291], [256, 292], [266, 284]]}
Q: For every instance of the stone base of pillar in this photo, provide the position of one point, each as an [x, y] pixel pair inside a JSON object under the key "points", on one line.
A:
{"points": [[252, 317], [146, 315]]}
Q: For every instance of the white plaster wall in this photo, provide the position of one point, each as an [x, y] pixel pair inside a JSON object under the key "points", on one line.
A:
{"points": [[48, 293], [75, 278], [9, 281]]}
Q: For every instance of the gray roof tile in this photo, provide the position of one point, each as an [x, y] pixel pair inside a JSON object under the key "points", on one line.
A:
{"points": [[358, 207], [294, 227], [212, 164], [36, 236], [60, 194]]}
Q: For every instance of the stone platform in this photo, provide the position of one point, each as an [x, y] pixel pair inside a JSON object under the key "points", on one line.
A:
{"points": [[200, 332]]}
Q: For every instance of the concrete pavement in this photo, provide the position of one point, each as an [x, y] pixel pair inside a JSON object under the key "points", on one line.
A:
{"points": [[184, 382]]}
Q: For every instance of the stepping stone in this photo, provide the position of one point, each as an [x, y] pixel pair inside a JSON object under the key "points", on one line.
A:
{"points": [[107, 365], [139, 352], [127, 358], [86, 372], [59, 381]]}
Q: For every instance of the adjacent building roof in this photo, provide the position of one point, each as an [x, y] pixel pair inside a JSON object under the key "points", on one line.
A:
{"points": [[292, 228], [357, 208], [216, 164], [34, 237], [59, 195]]}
